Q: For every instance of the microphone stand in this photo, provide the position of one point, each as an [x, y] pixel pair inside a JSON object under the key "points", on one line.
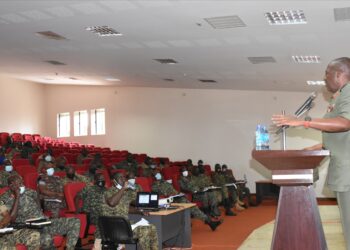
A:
{"points": [[283, 129]]}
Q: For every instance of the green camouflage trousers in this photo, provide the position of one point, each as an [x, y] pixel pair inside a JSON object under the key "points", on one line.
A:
{"points": [[147, 235], [208, 199], [61, 226], [233, 194], [195, 211], [28, 237]]}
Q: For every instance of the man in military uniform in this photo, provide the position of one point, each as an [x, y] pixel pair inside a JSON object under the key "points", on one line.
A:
{"points": [[130, 164], [71, 176], [119, 199], [220, 181], [146, 167], [25, 205], [5, 174], [28, 237], [50, 189], [84, 154], [163, 188], [191, 184], [237, 194]]}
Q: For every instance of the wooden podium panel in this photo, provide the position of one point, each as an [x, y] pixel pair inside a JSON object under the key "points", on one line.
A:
{"points": [[298, 224]]}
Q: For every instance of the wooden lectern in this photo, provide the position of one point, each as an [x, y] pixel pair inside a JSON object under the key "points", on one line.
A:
{"points": [[298, 223]]}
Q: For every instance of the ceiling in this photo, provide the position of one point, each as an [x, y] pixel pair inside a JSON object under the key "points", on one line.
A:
{"points": [[171, 29]]}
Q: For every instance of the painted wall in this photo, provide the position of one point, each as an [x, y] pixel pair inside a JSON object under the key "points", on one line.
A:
{"points": [[22, 106], [214, 125]]}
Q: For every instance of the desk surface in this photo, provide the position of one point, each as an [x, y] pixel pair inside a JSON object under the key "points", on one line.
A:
{"points": [[181, 206]]}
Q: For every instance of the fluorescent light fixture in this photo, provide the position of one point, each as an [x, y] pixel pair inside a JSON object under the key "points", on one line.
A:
{"points": [[306, 59], [103, 31], [317, 83], [112, 79], [286, 17]]}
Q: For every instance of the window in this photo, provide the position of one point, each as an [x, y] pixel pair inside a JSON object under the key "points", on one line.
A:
{"points": [[80, 123], [63, 125], [98, 122]]}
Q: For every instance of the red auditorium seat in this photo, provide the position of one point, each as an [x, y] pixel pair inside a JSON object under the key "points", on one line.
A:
{"points": [[36, 137], [30, 180], [17, 162], [167, 173], [22, 170], [144, 183], [70, 191], [28, 137], [3, 138], [17, 137]]}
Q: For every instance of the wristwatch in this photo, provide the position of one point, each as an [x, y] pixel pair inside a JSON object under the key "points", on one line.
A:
{"points": [[307, 118]]}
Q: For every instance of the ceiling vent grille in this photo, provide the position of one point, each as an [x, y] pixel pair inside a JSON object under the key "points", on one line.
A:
{"points": [[166, 61], [207, 80], [55, 62], [261, 59], [50, 35], [103, 31], [306, 59], [225, 22], [168, 79], [342, 14]]}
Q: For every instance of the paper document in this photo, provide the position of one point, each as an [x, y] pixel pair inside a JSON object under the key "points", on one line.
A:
{"points": [[231, 185], [6, 229], [54, 200], [210, 188], [142, 222]]}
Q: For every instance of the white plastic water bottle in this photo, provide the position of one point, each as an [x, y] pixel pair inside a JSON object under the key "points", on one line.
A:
{"points": [[266, 139], [258, 137]]}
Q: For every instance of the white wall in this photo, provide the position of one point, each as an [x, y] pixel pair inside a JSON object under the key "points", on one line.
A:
{"points": [[22, 106], [214, 125]]}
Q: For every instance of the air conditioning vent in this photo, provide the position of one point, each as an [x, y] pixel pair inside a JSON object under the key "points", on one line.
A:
{"points": [[225, 22], [207, 80], [168, 79], [103, 31], [55, 62], [261, 59], [166, 61]]}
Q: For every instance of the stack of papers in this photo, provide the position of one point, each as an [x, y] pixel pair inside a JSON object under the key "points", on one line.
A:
{"points": [[142, 222], [38, 222], [54, 200], [6, 230]]}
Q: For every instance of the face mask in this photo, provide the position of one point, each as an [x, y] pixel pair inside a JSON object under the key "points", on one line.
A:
{"points": [[8, 168], [101, 183], [169, 181], [50, 171], [131, 181], [185, 173], [48, 158], [71, 176], [158, 176], [118, 186], [153, 166], [22, 189]]}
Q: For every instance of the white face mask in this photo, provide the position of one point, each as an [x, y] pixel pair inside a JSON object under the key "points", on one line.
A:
{"points": [[50, 171], [131, 181], [8, 168], [48, 158], [22, 189], [169, 181], [158, 176], [119, 186], [185, 173]]}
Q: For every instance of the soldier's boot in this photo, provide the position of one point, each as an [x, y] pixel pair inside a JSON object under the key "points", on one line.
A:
{"points": [[238, 207], [228, 210], [231, 202], [206, 211], [213, 224]]}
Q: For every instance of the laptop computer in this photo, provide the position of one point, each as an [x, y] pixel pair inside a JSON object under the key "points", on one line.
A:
{"points": [[147, 201]]}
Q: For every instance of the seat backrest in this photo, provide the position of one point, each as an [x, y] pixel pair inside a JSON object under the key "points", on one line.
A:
{"points": [[18, 162], [144, 183], [115, 229], [168, 172], [70, 191], [30, 180], [22, 170]]}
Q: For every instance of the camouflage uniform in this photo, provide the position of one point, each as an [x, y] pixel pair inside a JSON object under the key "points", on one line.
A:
{"points": [[219, 180], [147, 171], [28, 237], [4, 176], [235, 193], [147, 235], [77, 178], [29, 208], [81, 158], [164, 188], [130, 166], [53, 184]]}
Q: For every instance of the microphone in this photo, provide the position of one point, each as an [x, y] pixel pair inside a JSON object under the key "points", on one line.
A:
{"points": [[306, 105]]}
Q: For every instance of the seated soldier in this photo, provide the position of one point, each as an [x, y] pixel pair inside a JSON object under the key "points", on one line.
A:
{"points": [[130, 164], [84, 154], [25, 205], [120, 201], [5, 174], [44, 159], [28, 237], [220, 181], [146, 167], [242, 191], [71, 176], [190, 183], [163, 163], [50, 190], [60, 163], [163, 188]]}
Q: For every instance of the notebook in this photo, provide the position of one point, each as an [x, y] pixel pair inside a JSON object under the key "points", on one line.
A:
{"points": [[147, 201]]}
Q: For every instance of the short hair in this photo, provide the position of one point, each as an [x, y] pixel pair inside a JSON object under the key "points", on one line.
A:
{"points": [[341, 64]]}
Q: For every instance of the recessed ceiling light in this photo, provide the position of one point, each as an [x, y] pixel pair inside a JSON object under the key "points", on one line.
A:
{"points": [[166, 61], [50, 35], [306, 59], [112, 79], [319, 83], [286, 17], [103, 31], [207, 80]]}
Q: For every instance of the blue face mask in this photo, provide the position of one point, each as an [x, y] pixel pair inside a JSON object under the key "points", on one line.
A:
{"points": [[158, 176], [50, 171], [8, 168]]}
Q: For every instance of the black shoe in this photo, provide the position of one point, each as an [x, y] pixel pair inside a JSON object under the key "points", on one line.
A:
{"points": [[213, 224], [230, 213], [253, 204]]}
